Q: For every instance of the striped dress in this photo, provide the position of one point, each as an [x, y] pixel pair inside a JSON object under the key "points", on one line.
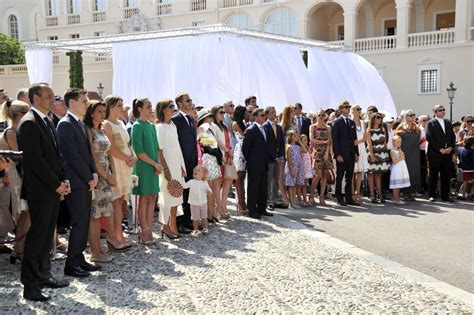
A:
{"points": [[382, 158]]}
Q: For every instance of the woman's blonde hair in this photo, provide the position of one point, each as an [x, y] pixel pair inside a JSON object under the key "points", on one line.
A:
{"points": [[11, 110]]}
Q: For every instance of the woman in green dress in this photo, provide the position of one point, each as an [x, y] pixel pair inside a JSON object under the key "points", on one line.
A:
{"points": [[147, 168]]}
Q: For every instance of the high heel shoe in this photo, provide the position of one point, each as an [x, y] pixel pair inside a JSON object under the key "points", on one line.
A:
{"points": [[112, 247], [141, 239], [169, 236], [15, 256], [322, 201]]}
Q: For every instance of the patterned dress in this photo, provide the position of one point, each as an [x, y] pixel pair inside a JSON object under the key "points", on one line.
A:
{"points": [[209, 161], [103, 196], [297, 162], [382, 158], [319, 150], [239, 159]]}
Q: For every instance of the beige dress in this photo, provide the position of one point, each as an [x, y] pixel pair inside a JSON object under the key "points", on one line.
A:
{"points": [[121, 140]]}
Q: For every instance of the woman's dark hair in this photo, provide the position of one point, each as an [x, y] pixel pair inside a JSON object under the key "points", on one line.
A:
{"points": [[91, 107], [468, 142], [239, 116], [136, 104], [160, 107], [214, 111], [110, 102]]}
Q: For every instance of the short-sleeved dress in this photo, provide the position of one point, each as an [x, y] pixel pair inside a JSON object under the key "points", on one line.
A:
{"points": [[319, 150], [144, 140], [382, 158], [120, 139], [239, 159], [168, 139], [103, 196], [297, 162]]}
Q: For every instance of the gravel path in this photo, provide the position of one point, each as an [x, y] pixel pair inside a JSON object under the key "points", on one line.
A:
{"points": [[243, 266]]}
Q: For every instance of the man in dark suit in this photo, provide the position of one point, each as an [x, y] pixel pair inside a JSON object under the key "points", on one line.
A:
{"points": [[43, 185], [80, 169], [254, 149], [302, 121], [276, 156], [187, 138], [346, 152], [441, 144]]}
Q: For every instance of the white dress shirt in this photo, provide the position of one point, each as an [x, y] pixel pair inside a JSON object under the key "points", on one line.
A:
{"points": [[40, 113], [198, 190], [262, 130], [441, 122]]}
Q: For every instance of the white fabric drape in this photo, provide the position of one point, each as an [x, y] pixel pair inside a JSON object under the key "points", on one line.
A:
{"points": [[40, 65], [338, 76], [216, 68]]}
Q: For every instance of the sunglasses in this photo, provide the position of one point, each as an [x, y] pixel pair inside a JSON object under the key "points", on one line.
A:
{"points": [[411, 115], [221, 112], [189, 101], [170, 106], [345, 106], [262, 115], [469, 121], [249, 111], [378, 117], [441, 110], [358, 109]]}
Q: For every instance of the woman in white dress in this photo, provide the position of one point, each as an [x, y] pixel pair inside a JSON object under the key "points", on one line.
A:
{"points": [[123, 158], [171, 158], [238, 127], [361, 166]]}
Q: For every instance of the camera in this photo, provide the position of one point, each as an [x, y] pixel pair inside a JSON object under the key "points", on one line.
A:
{"points": [[15, 156]]}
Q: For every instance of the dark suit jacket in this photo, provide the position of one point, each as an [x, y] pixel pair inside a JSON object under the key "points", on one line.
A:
{"points": [[78, 161], [42, 164], [55, 120], [305, 126], [343, 137], [187, 141], [437, 139], [254, 149], [275, 146]]}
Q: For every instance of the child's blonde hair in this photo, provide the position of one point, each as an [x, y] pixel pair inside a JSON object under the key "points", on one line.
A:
{"points": [[203, 168], [304, 139], [289, 136], [395, 138]]}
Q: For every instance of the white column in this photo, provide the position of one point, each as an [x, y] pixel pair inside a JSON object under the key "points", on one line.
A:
{"points": [[460, 29], [350, 28], [403, 25]]}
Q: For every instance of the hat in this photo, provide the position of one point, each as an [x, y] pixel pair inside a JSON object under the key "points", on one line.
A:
{"points": [[58, 98], [388, 119], [456, 123], [203, 113], [199, 107]]}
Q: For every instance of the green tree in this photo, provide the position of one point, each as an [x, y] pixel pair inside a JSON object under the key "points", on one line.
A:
{"points": [[11, 51], [76, 76]]}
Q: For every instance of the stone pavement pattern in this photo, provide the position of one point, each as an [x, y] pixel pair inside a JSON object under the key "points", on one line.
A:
{"points": [[243, 266]]}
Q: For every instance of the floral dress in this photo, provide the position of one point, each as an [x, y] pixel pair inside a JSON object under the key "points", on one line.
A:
{"points": [[103, 196], [209, 161], [239, 159], [297, 162], [319, 150]]}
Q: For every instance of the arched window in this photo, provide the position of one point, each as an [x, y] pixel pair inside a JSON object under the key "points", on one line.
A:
{"points": [[281, 21], [238, 20], [13, 25]]}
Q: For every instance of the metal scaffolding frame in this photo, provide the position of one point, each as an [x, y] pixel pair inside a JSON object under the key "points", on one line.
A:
{"points": [[103, 44]]}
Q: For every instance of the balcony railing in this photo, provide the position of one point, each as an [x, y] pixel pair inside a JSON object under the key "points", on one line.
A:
{"points": [[51, 21], [73, 19], [164, 8], [268, 1], [336, 43], [99, 16], [375, 44], [198, 5], [471, 33], [236, 3], [128, 12], [437, 38]]}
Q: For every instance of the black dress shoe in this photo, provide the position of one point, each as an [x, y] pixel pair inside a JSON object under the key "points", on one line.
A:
{"points": [[271, 207], [281, 206], [432, 199], [90, 267], [449, 199], [53, 283], [341, 202], [184, 230], [76, 272], [352, 203], [33, 293], [255, 215], [5, 250], [266, 213]]}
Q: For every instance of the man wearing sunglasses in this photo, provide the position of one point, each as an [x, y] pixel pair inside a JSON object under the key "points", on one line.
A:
{"points": [[441, 144]]}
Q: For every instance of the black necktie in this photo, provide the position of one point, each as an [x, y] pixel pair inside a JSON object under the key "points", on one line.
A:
{"points": [[51, 129], [83, 127]]}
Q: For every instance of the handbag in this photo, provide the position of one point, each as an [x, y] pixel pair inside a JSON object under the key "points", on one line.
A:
{"points": [[230, 172]]}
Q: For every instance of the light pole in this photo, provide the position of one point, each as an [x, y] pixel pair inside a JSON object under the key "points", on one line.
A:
{"points": [[100, 89], [451, 90]]}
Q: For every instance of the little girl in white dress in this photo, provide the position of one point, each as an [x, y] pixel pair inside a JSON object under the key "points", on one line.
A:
{"points": [[399, 177]]}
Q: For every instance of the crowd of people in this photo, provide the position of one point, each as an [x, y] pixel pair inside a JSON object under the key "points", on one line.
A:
{"points": [[83, 161]]}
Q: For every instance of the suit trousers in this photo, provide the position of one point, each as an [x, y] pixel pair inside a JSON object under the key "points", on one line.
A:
{"points": [[39, 241], [440, 165], [257, 191], [273, 176], [185, 219], [79, 204], [346, 169]]}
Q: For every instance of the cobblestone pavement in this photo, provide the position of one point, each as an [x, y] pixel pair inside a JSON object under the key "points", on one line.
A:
{"points": [[243, 266]]}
